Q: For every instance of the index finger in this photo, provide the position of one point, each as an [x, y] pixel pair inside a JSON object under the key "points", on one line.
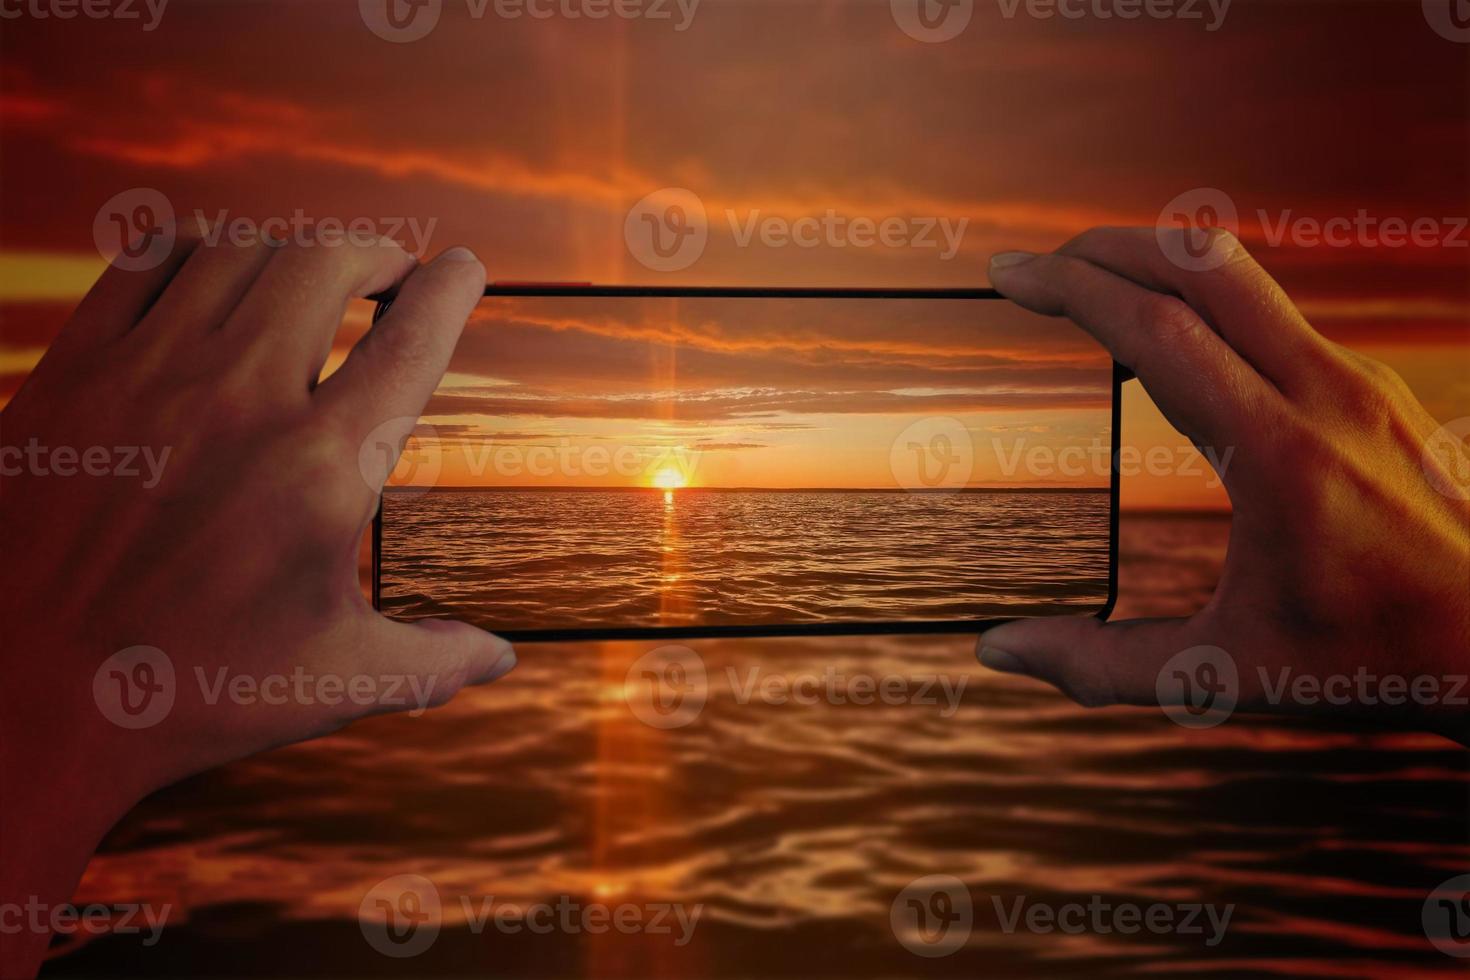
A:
{"points": [[396, 366], [1203, 387], [1234, 294]]}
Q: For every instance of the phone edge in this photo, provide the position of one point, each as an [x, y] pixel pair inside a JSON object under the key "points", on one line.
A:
{"points": [[1121, 374]]}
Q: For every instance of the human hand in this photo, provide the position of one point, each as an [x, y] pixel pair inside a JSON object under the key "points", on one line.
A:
{"points": [[233, 551], [1349, 553]]}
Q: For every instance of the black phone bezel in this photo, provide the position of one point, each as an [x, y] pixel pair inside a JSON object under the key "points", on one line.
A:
{"points": [[899, 627]]}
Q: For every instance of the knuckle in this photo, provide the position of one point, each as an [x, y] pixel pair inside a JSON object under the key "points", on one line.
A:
{"points": [[187, 238], [369, 256], [234, 401], [1370, 392], [314, 259], [1069, 278], [1382, 376], [362, 262], [1088, 242], [239, 253], [1224, 242], [389, 248], [1170, 320], [1305, 448], [324, 468], [465, 266], [1230, 260]]}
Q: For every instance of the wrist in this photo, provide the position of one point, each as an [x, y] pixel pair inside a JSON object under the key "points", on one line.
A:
{"points": [[64, 784], [50, 825]]}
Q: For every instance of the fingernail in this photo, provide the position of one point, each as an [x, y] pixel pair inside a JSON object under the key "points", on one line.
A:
{"points": [[1004, 260], [457, 254], [1006, 663], [501, 667]]}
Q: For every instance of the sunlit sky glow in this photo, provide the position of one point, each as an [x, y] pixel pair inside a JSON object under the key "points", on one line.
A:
{"points": [[529, 140]]}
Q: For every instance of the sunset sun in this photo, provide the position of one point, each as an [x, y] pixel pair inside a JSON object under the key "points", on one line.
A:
{"points": [[669, 478]]}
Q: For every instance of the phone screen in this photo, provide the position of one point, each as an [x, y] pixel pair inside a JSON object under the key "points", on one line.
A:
{"points": [[631, 465]]}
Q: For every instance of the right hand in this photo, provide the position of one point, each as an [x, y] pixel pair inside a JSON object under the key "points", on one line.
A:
{"points": [[1349, 551]]}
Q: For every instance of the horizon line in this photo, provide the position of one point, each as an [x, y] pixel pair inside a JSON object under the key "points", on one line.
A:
{"points": [[564, 488]]}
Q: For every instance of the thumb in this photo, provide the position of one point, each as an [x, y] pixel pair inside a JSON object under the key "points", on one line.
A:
{"points": [[436, 657], [1092, 662]]}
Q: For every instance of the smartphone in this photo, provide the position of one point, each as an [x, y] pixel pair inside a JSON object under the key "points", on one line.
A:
{"points": [[627, 462]]}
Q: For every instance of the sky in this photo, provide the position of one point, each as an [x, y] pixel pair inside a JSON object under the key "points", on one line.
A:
{"points": [[533, 139], [767, 392]]}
